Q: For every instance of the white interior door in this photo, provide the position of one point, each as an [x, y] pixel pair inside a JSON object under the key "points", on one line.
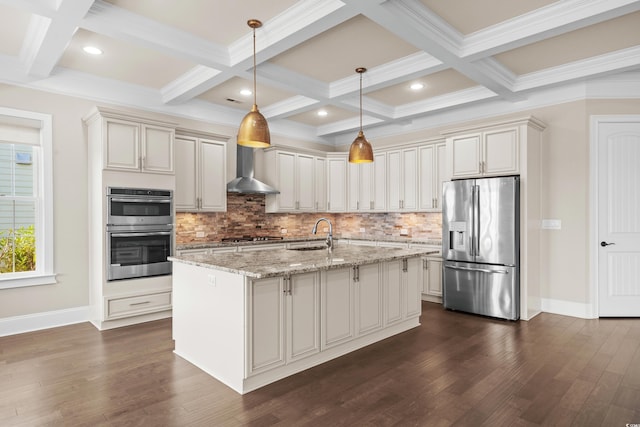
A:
{"points": [[619, 218]]}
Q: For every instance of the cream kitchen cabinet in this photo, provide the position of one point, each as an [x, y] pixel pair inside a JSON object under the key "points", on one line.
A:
{"points": [[352, 303], [361, 191], [432, 174], [493, 150], [402, 180], [321, 184], [337, 182], [133, 144], [201, 175], [283, 320], [293, 174], [380, 182], [401, 290], [432, 279]]}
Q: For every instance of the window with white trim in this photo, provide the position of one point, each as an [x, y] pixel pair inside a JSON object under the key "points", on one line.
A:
{"points": [[26, 199]]}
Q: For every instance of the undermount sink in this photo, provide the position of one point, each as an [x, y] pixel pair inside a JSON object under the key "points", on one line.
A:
{"points": [[308, 248]]}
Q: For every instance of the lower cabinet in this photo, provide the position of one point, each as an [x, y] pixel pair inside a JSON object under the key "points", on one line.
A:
{"points": [[284, 320], [432, 279], [402, 279]]}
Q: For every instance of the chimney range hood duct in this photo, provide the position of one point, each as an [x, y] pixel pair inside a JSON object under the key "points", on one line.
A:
{"points": [[245, 183]]}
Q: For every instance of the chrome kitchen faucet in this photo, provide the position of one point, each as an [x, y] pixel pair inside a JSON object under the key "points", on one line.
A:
{"points": [[329, 240]]}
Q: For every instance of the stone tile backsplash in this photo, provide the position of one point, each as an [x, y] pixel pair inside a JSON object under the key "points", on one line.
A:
{"points": [[245, 216]]}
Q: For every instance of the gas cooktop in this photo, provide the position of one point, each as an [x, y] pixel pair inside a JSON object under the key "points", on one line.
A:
{"points": [[250, 239]]}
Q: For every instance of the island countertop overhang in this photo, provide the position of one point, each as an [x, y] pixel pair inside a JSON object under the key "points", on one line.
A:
{"points": [[283, 262]]}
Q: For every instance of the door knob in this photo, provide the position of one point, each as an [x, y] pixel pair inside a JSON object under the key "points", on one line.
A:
{"points": [[603, 244]]}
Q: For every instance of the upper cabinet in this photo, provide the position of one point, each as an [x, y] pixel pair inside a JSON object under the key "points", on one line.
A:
{"points": [[294, 175], [133, 144], [337, 182], [491, 150], [360, 178], [402, 180], [201, 175], [432, 174]]}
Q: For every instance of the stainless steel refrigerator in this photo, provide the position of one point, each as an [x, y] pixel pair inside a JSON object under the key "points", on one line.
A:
{"points": [[481, 246]]}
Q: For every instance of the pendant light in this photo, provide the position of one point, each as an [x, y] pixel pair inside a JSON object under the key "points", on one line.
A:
{"points": [[360, 150], [254, 129]]}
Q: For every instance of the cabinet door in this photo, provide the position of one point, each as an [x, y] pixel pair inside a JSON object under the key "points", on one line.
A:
{"points": [[393, 292], [185, 197], [305, 181], [427, 197], [121, 145], [434, 272], [501, 153], [337, 308], [441, 173], [213, 176], [365, 187], [337, 184], [369, 297], [394, 181], [321, 184], [380, 182], [413, 288], [157, 149], [353, 180], [303, 316], [465, 155], [286, 181], [266, 323], [410, 179]]}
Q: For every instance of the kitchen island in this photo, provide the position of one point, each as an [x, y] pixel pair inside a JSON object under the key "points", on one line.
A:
{"points": [[252, 318]]}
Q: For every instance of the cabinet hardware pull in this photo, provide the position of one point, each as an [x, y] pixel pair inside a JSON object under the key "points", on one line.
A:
{"points": [[404, 265], [139, 303], [371, 205], [328, 206], [358, 205]]}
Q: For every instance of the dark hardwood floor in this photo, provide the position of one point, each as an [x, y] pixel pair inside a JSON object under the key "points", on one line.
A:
{"points": [[455, 369]]}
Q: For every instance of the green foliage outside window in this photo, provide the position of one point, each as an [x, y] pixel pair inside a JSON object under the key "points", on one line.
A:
{"points": [[20, 245]]}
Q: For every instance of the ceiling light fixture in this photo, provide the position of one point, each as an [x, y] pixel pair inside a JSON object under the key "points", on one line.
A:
{"points": [[92, 50], [246, 92], [254, 129], [417, 86], [322, 113], [360, 150]]}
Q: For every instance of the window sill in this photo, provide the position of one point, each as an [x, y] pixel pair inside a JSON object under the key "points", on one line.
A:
{"points": [[23, 280]]}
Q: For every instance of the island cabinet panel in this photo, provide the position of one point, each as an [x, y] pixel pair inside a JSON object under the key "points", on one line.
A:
{"points": [[303, 315], [369, 298], [266, 323], [392, 292], [402, 289], [337, 307], [412, 282], [284, 320]]}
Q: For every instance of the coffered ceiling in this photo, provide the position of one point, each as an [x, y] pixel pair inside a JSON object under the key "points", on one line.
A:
{"points": [[193, 57]]}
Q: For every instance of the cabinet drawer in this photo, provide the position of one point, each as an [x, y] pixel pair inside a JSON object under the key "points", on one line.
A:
{"points": [[139, 304]]}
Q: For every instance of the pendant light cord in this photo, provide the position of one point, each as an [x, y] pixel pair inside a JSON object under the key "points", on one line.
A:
{"points": [[360, 102], [255, 95]]}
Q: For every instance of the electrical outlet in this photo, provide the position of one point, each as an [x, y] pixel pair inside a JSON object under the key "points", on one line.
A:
{"points": [[283, 231], [212, 280], [404, 232], [199, 233], [362, 229]]}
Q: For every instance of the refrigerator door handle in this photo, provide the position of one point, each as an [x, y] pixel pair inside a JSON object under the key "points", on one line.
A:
{"points": [[476, 222], [482, 270]]}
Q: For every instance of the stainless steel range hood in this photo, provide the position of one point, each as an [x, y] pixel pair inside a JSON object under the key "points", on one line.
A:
{"points": [[245, 183]]}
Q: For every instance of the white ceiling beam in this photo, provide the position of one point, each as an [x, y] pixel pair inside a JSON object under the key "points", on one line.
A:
{"points": [[549, 21], [284, 108], [47, 38]]}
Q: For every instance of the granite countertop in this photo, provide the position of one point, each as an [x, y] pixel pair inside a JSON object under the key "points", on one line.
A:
{"points": [[206, 245], [282, 262]]}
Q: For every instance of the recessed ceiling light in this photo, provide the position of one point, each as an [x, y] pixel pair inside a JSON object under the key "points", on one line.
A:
{"points": [[417, 86], [92, 50], [246, 92], [322, 113]]}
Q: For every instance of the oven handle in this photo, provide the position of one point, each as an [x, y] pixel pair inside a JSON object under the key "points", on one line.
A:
{"points": [[153, 233], [124, 200]]}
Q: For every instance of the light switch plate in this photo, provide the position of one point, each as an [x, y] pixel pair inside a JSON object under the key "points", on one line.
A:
{"points": [[404, 232], [199, 233], [551, 224]]}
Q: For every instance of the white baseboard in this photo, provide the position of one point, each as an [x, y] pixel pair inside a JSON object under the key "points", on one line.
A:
{"points": [[50, 319], [568, 308]]}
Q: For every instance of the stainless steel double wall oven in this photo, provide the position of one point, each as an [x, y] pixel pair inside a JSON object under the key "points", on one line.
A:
{"points": [[139, 232]]}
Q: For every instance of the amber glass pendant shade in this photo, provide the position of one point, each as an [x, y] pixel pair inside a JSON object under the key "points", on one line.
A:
{"points": [[254, 129], [360, 150]]}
